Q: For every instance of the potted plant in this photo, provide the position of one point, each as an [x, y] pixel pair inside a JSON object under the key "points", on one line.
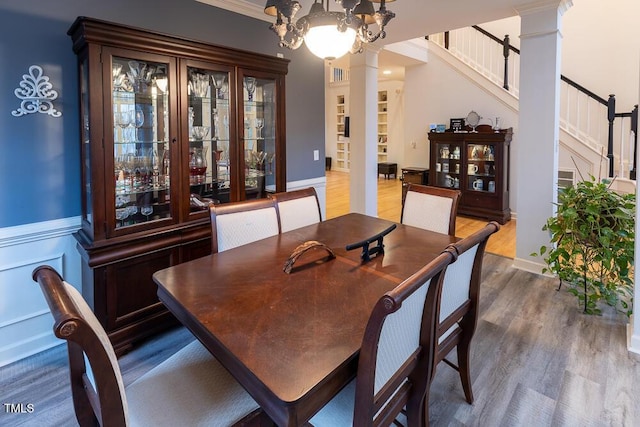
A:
{"points": [[592, 245]]}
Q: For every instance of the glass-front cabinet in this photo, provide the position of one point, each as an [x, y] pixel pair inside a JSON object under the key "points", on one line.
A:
{"points": [[169, 126], [477, 164], [139, 98]]}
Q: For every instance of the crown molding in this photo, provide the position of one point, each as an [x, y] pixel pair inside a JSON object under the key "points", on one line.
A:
{"points": [[539, 6], [242, 7]]}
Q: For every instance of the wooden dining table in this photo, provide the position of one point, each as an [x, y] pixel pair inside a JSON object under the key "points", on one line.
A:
{"points": [[292, 340]]}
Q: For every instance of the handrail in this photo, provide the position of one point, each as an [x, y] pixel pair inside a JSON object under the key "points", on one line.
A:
{"points": [[582, 89], [607, 105]]}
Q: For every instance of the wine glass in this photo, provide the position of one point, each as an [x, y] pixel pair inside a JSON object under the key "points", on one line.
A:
{"points": [[146, 210], [269, 159], [218, 82], [259, 126], [250, 84], [138, 121], [155, 165], [123, 120], [121, 215]]}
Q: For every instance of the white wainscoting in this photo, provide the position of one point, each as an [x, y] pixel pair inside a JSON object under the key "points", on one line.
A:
{"points": [[26, 325], [320, 184]]}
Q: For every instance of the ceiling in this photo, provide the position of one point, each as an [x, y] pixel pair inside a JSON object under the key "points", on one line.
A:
{"points": [[414, 19]]}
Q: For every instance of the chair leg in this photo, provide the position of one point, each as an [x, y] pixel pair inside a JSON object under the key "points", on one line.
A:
{"points": [[425, 410], [464, 348]]}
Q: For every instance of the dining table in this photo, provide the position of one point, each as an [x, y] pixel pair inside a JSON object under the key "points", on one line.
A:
{"points": [[292, 339]]}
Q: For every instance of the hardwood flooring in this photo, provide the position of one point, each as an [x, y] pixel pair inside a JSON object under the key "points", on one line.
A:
{"points": [[536, 360], [390, 207]]}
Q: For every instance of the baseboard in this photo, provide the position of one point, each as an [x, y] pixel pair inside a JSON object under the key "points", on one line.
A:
{"points": [[633, 339], [528, 265]]}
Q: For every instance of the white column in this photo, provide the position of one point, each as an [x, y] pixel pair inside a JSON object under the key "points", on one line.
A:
{"points": [[535, 168], [633, 330], [363, 101]]}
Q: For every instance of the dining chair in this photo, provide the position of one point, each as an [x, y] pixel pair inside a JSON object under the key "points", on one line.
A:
{"points": [[236, 224], [431, 208], [459, 307], [190, 388], [297, 208], [396, 356]]}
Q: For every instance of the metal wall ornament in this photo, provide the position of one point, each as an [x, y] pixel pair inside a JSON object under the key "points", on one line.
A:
{"points": [[37, 94]]}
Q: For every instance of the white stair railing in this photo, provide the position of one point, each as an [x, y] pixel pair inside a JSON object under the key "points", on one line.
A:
{"points": [[583, 114]]}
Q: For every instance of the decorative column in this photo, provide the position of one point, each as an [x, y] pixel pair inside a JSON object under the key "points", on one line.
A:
{"points": [[363, 99], [633, 329], [535, 170]]}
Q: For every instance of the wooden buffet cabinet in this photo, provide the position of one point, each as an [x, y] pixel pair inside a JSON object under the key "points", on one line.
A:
{"points": [[168, 126], [476, 163]]}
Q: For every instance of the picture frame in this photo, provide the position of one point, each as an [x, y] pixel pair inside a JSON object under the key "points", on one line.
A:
{"points": [[456, 124]]}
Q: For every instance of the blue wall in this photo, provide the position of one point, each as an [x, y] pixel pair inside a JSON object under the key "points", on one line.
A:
{"points": [[39, 154]]}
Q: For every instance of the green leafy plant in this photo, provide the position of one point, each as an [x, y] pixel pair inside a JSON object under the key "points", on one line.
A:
{"points": [[592, 245]]}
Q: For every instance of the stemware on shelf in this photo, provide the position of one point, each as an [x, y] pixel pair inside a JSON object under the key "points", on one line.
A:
{"points": [[123, 119], [250, 84], [259, 126], [121, 215], [199, 84], [138, 121], [218, 83], [146, 210]]}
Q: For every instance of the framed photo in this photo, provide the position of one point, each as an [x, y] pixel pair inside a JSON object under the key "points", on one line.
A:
{"points": [[456, 125]]}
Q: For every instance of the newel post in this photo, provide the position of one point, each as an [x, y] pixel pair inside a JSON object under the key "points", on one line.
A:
{"points": [[505, 53], [611, 115]]}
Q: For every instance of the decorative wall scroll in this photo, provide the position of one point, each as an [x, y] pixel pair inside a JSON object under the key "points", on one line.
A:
{"points": [[36, 93]]}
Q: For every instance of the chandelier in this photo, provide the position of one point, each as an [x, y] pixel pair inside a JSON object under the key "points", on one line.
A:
{"points": [[329, 34]]}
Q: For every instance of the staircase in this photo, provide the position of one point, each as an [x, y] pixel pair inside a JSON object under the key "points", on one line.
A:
{"points": [[594, 139]]}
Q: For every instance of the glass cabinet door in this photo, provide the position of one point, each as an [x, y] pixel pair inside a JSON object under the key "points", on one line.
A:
{"points": [[259, 135], [448, 165], [481, 168], [141, 142], [210, 121]]}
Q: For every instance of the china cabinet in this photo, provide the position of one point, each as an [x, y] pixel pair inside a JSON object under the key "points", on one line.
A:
{"points": [[168, 126], [476, 163]]}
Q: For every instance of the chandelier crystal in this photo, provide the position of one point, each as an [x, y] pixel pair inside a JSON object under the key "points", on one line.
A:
{"points": [[329, 34]]}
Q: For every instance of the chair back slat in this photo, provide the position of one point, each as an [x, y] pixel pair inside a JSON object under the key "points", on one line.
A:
{"points": [[431, 208], [237, 224], [297, 208]]}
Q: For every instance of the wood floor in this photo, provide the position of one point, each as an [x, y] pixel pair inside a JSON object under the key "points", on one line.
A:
{"points": [[390, 206], [536, 360]]}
